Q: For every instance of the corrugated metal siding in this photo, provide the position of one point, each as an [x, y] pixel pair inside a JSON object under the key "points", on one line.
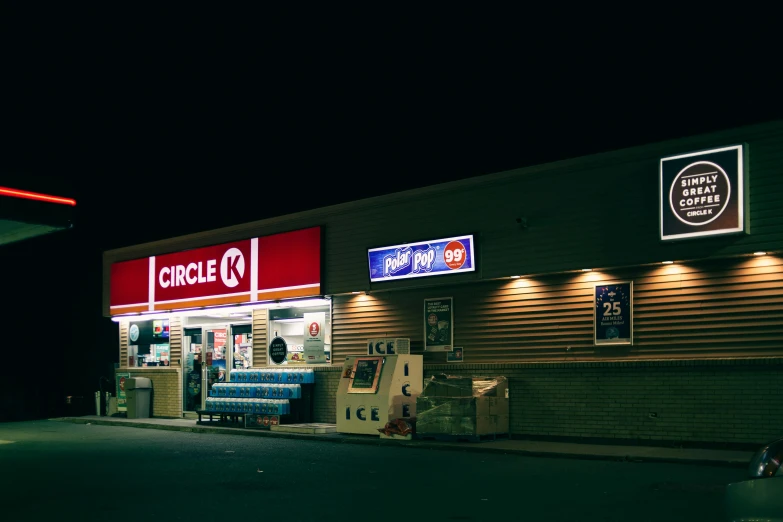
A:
{"points": [[260, 341], [728, 308], [573, 221], [175, 340], [596, 211], [124, 343]]}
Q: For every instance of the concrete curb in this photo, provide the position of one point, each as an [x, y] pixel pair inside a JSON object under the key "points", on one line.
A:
{"points": [[419, 444]]}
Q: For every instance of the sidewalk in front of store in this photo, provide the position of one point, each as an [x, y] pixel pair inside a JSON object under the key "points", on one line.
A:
{"points": [[525, 448]]}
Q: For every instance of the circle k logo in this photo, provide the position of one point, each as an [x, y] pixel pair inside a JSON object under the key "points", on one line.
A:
{"points": [[232, 267], [314, 329]]}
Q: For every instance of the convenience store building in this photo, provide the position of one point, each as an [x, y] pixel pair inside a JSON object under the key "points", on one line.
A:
{"points": [[629, 295]]}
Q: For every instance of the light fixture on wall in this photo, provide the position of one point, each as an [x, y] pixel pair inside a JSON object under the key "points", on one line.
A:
{"points": [[667, 262], [587, 270], [759, 253], [224, 309], [356, 292], [515, 277]]}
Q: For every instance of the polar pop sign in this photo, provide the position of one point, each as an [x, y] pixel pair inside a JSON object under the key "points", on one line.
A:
{"points": [[427, 258], [256, 269], [703, 193]]}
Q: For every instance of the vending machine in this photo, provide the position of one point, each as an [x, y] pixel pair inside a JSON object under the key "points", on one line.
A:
{"points": [[375, 389]]}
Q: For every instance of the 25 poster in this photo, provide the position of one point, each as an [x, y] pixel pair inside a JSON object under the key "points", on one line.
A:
{"points": [[614, 313]]}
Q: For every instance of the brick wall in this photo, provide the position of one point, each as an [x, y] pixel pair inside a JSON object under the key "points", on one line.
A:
{"points": [[720, 400], [166, 390], [326, 381]]}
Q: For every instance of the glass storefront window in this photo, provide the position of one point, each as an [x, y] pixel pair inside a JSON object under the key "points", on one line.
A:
{"points": [[148, 343], [295, 327]]}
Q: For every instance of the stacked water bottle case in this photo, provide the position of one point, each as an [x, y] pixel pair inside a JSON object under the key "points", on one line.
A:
{"points": [[255, 391]]}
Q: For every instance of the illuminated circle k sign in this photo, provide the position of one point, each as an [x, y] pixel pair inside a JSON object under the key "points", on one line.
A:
{"points": [[232, 267], [700, 193]]}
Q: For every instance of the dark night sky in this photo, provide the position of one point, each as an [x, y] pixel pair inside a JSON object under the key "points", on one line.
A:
{"points": [[160, 127], [165, 126]]}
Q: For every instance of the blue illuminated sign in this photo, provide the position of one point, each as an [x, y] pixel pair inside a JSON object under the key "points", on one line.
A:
{"points": [[438, 257]]}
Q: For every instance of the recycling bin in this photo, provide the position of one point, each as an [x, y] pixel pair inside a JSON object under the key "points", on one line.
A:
{"points": [[138, 393]]}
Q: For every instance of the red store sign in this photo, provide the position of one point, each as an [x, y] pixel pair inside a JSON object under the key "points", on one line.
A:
{"points": [[273, 267]]}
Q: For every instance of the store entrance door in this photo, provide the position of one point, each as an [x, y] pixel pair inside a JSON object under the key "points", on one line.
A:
{"points": [[242, 344], [217, 359]]}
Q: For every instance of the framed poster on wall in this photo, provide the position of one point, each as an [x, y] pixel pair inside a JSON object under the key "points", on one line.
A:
{"points": [[439, 324], [614, 313]]}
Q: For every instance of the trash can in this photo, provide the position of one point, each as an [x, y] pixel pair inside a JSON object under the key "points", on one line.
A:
{"points": [[138, 392]]}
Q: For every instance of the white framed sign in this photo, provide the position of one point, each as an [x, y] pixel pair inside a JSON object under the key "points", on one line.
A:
{"points": [[314, 330], [704, 193]]}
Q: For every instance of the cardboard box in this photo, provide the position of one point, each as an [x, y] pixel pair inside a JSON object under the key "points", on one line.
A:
{"points": [[466, 406], [490, 386], [261, 421], [453, 406], [455, 386], [500, 423], [430, 389], [497, 405], [473, 426], [448, 386], [433, 425], [462, 425]]}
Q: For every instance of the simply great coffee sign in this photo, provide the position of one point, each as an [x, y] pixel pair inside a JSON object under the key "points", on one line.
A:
{"points": [[256, 269], [703, 193]]}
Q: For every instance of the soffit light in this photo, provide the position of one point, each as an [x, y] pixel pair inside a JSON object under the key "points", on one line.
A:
{"points": [[230, 310]]}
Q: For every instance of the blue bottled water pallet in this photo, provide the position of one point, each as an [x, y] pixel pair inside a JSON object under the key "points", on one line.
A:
{"points": [[273, 375], [248, 406], [256, 391]]}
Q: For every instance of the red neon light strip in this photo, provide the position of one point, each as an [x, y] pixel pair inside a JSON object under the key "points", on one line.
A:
{"points": [[35, 196]]}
